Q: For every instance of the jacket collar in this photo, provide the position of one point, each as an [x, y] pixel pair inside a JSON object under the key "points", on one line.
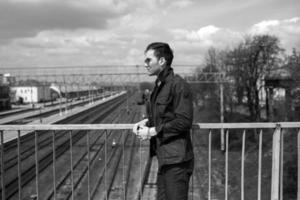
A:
{"points": [[164, 75]]}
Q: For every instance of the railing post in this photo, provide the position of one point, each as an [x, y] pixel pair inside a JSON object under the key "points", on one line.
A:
{"points": [[88, 164], [123, 168], [36, 164], [209, 165], [140, 163], [105, 165], [276, 164], [19, 165], [298, 191], [243, 165], [71, 163], [259, 166], [226, 163], [54, 165], [2, 166], [281, 166]]}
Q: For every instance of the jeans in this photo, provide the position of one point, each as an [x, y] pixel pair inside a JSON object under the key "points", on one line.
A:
{"points": [[173, 181]]}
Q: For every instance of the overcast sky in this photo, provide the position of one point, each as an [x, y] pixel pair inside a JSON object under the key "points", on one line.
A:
{"points": [[98, 32]]}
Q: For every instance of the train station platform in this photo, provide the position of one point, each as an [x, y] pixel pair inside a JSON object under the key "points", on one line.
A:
{"points": [[14, 111]]}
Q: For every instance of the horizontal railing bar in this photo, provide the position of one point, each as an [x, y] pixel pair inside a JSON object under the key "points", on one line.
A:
{"points": [[249, 125], [129, 126], [66, 127]]}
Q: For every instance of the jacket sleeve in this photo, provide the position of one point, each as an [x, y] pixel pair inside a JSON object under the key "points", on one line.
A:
{"points": [[182, 112]]}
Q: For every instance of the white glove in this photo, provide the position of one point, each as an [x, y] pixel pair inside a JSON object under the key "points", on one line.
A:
{"points": [[138, 125], [145, 132]]}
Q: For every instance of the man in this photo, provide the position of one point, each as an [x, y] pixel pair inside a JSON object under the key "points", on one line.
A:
{"points": [[168, 125]]}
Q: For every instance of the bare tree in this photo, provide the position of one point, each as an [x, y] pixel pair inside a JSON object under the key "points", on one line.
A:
{"points": [[248, 64], [293, 65]]}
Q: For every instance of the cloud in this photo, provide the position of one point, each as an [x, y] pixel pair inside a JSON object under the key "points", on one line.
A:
{"points": [[181, 3], [114, 38], [27, 18], [80, 47], [287, 30], [136, 22], [193, 44], [205, 32], [73, 32], [264, 26], [207, 36]]}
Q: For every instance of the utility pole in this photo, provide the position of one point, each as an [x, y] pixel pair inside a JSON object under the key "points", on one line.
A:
{"points": [[60, 98], [66, 95], [222, 114]]}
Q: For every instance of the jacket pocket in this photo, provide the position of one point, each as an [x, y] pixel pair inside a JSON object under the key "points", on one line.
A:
{"points": [[162, 100], [173, 151], [162, 103]]}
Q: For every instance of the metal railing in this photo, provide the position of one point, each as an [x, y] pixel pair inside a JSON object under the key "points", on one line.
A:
{"points": [[278, 132], [277, 154]]}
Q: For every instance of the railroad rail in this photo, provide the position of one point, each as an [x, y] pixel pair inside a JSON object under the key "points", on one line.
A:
{"points": [[41, 153], [278, 130], [26, 116]]}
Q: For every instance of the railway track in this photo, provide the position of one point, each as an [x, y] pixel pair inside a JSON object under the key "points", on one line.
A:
{"points": [[120, 177], [45, 152], [114, 181], [43, 113], [83, 117], [86, 160], [44, 136]]}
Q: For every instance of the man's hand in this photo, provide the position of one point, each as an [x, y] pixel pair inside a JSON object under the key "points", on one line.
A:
{"points": [[138, 125], [145, 132]]}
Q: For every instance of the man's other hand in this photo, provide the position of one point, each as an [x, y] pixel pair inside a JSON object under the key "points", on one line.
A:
{"points": [[145, 132], [138, 125]]}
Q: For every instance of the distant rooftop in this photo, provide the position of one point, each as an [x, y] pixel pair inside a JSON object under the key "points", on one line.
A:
{"points": [[279, 74]]}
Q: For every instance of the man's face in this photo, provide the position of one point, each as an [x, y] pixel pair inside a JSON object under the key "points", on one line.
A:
{"points": [[153, 65]]}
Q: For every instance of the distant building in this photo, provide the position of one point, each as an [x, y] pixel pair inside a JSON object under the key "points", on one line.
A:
{"points": [[4, 97], [4, 92], [30, 94], [278, 86], [7, 79]]}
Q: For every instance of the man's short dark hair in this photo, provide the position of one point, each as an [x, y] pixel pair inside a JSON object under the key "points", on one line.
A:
{"points": [[161, 50]]}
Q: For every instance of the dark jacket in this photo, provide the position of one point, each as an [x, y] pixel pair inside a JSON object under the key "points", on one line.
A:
{"points": [[171, 113]]}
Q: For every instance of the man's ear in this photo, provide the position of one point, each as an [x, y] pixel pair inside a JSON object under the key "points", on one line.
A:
{"points": [[162, 61]]}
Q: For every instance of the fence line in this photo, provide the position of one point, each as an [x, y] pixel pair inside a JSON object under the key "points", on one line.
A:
{"points": [[277, 152]]}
